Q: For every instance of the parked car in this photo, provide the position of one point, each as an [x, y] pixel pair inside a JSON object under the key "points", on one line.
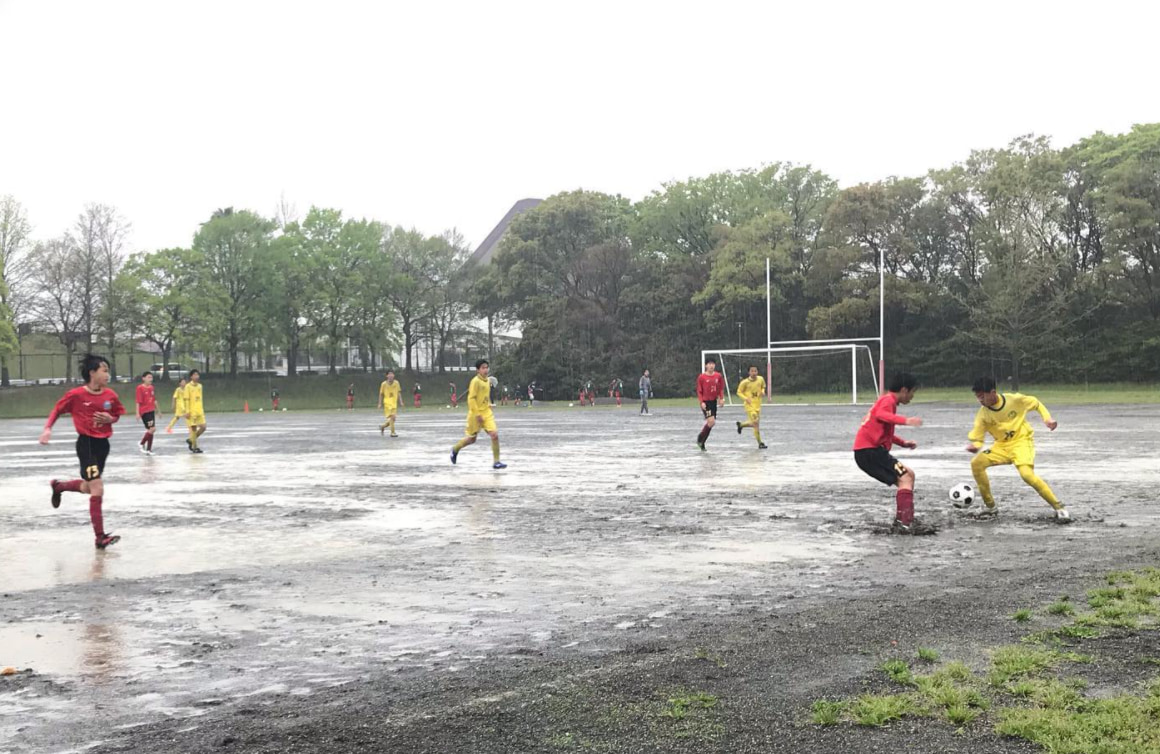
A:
{"points": [[176, 371]]}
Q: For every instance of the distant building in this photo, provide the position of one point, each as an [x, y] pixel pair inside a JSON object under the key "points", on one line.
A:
{"points": [[486, 250]]}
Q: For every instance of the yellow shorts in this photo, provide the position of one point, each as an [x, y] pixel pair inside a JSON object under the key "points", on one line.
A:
{"points": [[389, 412], [753, 414], [1003, 453], [476, 422], [196, 420]]}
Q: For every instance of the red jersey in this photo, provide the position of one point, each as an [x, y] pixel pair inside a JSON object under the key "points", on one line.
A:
{"points": [[877, 430], [710, 387], [83, 406], [145, 400]]}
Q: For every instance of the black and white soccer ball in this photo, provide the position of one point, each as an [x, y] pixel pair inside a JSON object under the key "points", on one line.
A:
{"points": [[962, 495]]}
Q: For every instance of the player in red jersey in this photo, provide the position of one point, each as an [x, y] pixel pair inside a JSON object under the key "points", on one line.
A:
{"points": [[94, 408], [147, 412], [872, 451], [710, 387], [454, 393]]}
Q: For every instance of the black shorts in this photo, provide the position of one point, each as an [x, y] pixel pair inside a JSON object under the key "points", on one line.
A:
{"points": [[147, 419], [710, 409], [878, 463], [92, 452]]}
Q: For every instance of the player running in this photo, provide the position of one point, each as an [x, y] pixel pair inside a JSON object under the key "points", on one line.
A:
{"points": [[1004, 416], [194, 411], [872, 451], [751, 390], [479, 415], [147, 412], [178, 405], [710, 387], [645, 387], [389, 399], [94, 408]]}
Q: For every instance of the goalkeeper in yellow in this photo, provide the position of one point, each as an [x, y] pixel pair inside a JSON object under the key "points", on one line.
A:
{"points": [[479, 415], [1004, 417], [389, 392], [751, 390]]}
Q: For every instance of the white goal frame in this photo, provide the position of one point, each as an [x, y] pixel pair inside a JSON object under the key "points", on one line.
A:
{"points": [[853, 348]]}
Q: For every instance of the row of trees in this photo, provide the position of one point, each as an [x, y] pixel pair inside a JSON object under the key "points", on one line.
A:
{"points": [[246, 287], [1025, 262]]}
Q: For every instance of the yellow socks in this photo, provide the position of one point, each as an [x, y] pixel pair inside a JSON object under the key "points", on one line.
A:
{"points": [[495, 449], [1040, 486]]}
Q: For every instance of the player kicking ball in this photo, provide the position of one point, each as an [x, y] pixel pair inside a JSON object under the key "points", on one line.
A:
{"points": [[872, 448], [1004, 417], [479, 415], [94, 408], [752, 391]]}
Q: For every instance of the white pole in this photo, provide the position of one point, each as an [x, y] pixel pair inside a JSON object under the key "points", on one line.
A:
{"points": [[768, 334], [881, 320], [854, 375]]}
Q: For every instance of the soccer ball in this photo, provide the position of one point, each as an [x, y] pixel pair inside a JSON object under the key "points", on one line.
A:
{"points": [[569, 405], [962, 495], [260, 410]]}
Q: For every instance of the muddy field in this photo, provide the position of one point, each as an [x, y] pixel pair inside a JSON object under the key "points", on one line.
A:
{"points": [[308, 585]]}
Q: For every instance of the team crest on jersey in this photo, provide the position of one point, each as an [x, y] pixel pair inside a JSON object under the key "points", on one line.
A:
{"points": [[1012, 414], [108, 404]]}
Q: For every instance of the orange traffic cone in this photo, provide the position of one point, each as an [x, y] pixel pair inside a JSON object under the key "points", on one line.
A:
{"points": [[247, 408]]}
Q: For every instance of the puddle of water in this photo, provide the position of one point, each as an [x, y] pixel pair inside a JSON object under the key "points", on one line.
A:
{"points": [[95, 651]]}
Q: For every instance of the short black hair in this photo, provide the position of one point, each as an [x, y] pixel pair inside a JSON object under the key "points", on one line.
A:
{"points": [[90, 363], [480, 363], [903, 380], [389, 371], [194, 371], [984, 385], [710, 360], [146, 373]]}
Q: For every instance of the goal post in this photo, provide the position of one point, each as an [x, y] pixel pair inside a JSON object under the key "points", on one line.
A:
{"points": [[839, 372]]}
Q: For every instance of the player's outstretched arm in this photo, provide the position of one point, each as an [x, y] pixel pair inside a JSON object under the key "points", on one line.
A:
{"points": [[1037, 405]]}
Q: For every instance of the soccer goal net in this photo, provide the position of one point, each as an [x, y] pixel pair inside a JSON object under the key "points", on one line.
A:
{"points": [[841, 373]]}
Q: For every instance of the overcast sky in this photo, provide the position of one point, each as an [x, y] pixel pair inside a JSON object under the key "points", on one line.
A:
{"points": [[440, 115]]}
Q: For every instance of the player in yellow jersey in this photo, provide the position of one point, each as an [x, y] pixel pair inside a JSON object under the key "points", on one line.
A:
{"points": [[194, 411], [1004, 417], [479, 415], [389, 402], [178, 405], [751, 390]]}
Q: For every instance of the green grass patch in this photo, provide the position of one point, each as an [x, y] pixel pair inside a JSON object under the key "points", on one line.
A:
{"points": [[1061, 608], [926, 654], [681, 705], [826, 712], [898, 671], [1021, 616], [875, 710], [1012, 662]]}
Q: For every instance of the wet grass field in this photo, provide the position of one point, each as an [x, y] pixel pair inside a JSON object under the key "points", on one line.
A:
{"points": [[304, 555]]}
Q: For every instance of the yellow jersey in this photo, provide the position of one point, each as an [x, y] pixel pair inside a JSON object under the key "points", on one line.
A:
{"points": [[389, 394], [751, 391], [193, 404], [179, 401], [1006, 421], [479, 396]]}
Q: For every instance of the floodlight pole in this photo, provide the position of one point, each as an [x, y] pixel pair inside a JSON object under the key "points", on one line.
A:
{"points": [[881, 320]]}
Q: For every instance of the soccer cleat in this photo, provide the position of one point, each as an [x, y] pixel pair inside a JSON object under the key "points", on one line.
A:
{"points": [[762, 446], [198, 450], [394, 434], [499, 465], [454, 456], [189, 444], [701, 445], [915, 528], [1062, 516], [55, 495], [988, 514], [105, 540], [738, 427], [142, 448]]}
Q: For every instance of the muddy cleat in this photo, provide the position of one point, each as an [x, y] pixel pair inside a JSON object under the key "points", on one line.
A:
{"points": [[499, 465], [987, 514], [143, 450], [55, 495], [197, 450], [105, 540], [738, 427], [394, 435], [762, 446], [189, 444], [701, 445], [1062, 516], [454, 456], [914, 528]]}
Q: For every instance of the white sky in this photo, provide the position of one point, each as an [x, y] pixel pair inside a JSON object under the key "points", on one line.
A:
{"points": [[437, 115]]}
